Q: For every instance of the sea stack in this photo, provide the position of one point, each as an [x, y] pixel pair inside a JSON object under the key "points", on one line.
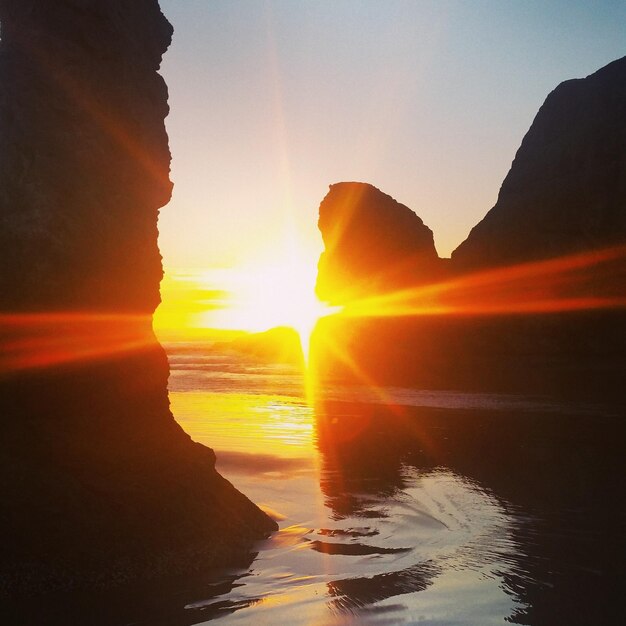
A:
{"points": [[532, 300], [98, 482], [372, 244]]}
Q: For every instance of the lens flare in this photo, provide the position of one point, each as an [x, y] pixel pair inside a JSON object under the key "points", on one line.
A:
{"points": [[42, 340]]}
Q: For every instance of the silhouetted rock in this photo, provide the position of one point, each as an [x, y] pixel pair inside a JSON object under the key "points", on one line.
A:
{"points": [[276, 345], [512, 309], [372, 243], [98, 483], [566, 190]]}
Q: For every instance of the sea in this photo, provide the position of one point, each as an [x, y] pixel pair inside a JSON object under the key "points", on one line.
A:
{"points": [[394, 505], [406, 506]]}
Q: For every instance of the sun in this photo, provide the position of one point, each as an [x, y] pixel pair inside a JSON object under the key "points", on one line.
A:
{"points": [[265, 292], [271, 294]]}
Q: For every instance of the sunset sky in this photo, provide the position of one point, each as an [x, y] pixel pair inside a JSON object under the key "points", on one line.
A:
{"points": [[273, 101]]}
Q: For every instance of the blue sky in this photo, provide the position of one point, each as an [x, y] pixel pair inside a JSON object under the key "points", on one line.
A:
{"points": [[273, 101]]}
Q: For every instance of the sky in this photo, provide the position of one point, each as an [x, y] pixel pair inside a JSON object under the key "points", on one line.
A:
{"points": [[273, 101]]}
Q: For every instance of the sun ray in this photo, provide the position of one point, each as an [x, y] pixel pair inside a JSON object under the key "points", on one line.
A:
{"points": [[39, 340], [577, 282]]}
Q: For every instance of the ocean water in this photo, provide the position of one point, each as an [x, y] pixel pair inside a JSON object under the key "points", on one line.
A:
{"points": [[400, 506], [395, 506]]}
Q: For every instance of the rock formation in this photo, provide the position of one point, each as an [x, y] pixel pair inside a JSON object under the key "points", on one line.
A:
{"points": [[280, 344], [372, 244], [564, 195], [566, 190], [98, 482]]}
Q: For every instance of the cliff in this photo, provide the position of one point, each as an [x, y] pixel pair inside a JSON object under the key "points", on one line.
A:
{"points": [[98, 483], [532, 300], [566, 189]]}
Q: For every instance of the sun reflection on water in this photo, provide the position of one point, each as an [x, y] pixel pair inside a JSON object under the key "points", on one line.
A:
{"points": [[267, 424]]}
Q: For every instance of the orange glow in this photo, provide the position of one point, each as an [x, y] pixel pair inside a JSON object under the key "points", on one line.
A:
{"points": [[42, 340], [554, 285], [252, 298], [283, 424], [282, 294], [272, 295]]}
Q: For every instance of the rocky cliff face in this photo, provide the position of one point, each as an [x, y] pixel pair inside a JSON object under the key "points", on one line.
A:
{"points": [[565, 195], [97, 481], [85, 154], [566, 190]]}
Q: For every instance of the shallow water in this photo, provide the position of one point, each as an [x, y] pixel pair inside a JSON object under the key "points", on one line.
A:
{"points": [[395, 506], [399, 506]]}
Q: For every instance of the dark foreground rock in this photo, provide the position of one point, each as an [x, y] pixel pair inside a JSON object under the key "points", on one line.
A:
{"points": [[534, 299], [98, 483]]}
